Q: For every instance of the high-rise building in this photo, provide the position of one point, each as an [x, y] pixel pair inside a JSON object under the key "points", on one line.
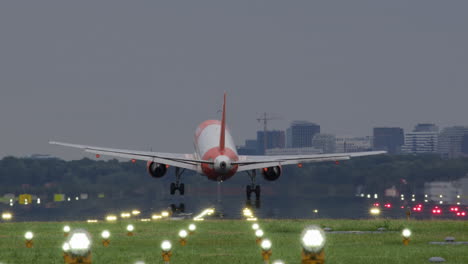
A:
{"points": [[325, 142], [423, 139], [275, 139], [353, 144], [451, 141], [426, 127], [301, 133], [250, 148], [388, 138]]}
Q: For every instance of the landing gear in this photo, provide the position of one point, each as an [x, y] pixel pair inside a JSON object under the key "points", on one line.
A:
{"points": [[177, 185], [252, 188]]}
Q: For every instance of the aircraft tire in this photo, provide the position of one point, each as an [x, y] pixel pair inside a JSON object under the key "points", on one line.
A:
{"points": [[248, 191], [257, 192], [173, 188], [182, 189]]}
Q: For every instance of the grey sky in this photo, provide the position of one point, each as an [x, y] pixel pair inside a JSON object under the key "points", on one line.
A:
{"points": [[141, 74]]}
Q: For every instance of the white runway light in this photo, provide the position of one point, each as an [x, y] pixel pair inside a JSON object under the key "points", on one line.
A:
{"points": [[266, 244], [105, 234], [29, 235], [166, 246], [192, 227], [80, 242], [406, 233], [313, 239]]}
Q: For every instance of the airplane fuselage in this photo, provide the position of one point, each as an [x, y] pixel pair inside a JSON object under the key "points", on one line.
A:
{"points": [[207, 148]]}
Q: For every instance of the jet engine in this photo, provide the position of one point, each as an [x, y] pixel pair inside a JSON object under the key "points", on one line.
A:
{"points": [[156, 170], [271, 173]]}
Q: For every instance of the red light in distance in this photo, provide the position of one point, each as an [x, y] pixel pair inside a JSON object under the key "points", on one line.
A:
{"points": [[376, 204], [454, 209], [463, 213], [436, 211], [388, 205]]}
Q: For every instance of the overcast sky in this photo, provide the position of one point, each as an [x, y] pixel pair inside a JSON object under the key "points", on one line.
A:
{"points": [[144, 74]]}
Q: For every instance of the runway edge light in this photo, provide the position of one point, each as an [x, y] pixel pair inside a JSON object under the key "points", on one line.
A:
{"points": [[166, 247], [80, 242], [105, 238], [266, 250], [406, 233], [29, 239], [313, 241]]}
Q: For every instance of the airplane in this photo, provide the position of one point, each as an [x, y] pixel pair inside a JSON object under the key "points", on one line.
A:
{"points": [[216, 158]]}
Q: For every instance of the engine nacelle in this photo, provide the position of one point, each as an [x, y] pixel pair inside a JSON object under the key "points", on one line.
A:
{"points": [[271, 173], [156, 170]]}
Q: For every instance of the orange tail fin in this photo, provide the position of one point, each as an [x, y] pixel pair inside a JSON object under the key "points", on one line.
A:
{"points": [[223, 127]]}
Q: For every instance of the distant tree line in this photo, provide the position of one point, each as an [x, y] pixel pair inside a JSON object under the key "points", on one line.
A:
{"points": [[375, 174]]}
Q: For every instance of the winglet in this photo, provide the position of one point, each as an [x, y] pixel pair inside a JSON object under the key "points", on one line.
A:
{"points": [[223, 126]]}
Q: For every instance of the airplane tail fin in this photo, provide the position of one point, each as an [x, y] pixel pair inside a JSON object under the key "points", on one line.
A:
{"points": [[223, 126]]}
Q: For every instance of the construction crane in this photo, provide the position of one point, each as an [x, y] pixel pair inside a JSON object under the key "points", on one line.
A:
{"points": [[264, 118]]}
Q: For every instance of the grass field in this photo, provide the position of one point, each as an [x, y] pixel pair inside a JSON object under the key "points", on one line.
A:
{"points": [[233, 241]]}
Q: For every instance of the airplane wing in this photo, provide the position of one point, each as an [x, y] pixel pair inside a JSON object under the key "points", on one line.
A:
{"points": [[258, 162], [186, 161]]}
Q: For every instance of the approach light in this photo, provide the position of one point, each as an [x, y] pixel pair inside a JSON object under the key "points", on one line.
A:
{"points": [[183, 235], [313, 242], [192, 228], [255, 226], [130, 229], [29, 239], [105, 238], [80, 242], [125, 215], [406, 233], [165, 214], [374, 211], [266, 250], [7, 216], [111, 218], [92, 221], [166, 247], [156, 217], [247, 212], [136, 212]]}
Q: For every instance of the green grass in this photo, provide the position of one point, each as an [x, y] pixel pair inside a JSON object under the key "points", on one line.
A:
{"points": [[233, 241]]}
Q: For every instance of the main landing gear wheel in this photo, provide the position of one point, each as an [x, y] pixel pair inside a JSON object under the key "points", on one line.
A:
{"points": [[177, 185], [252, 188]]}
